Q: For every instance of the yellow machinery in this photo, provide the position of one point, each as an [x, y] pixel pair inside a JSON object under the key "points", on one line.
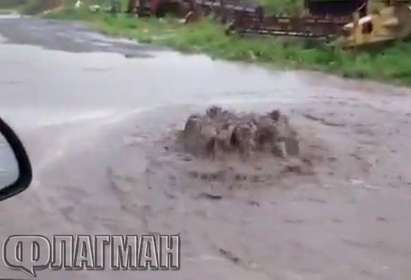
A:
{"points": [[389, 23]]}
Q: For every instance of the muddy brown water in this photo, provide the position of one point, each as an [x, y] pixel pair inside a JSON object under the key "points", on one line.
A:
{"points": [[97, 114]]}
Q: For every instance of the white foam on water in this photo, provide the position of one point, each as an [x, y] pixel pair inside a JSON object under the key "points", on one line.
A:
{"points": [[9, 15]]}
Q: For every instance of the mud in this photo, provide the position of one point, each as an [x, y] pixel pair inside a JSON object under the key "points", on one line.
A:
{"points": [[220, 133], [237, 150]]}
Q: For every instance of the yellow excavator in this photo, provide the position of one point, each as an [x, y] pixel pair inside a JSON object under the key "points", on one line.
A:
{"points": [[390, 22]]}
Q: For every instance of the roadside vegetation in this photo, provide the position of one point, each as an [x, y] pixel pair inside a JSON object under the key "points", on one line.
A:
{"points": [[11, 4], [36, 6], [391, 63], [5, 4], [29, 6]]}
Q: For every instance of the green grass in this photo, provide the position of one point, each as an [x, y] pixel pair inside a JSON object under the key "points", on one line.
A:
{"points": [[36, 6], [6, 6], [10, 4], [30, 6]]}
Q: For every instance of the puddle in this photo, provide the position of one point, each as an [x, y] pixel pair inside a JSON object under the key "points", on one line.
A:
{"points": [[56, 81]]}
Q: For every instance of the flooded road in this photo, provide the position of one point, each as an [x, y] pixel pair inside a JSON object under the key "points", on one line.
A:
{"points": [[95, 114]]}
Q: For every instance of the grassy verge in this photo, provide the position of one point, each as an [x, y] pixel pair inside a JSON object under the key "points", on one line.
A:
{"points": [[36, 6], [30, 6], [391, 64], [7, 6]]}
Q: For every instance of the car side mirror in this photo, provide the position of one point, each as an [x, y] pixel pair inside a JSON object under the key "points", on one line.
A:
{"points": [[15, 167]]}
